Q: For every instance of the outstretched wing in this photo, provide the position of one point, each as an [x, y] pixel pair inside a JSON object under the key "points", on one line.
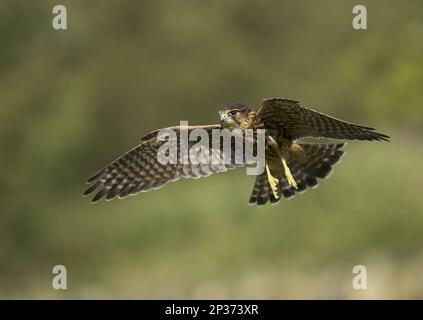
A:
{"points": [[298, 122], [140, 170]]}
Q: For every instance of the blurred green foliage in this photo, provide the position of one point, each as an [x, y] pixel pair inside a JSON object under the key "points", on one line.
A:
{"points": [[73, 100]]}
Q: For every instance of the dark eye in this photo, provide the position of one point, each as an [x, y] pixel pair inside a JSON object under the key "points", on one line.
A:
{"points": [[232, 113]]}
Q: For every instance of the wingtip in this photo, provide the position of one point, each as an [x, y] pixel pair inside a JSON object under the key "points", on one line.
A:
{"points": [[94, 177], [373, 135], [86, 194], [97, 198], [383, 137]]}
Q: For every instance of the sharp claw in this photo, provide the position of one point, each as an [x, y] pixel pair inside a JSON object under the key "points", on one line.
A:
{"points": [[288, 175], [273, 183]]}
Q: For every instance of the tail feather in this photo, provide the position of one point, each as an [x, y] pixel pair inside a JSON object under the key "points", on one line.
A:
{"points": [[261, 192], [317, 163], [320, 158]]}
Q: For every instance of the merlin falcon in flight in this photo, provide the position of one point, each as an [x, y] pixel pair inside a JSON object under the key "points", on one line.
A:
{"points": [[301, 145]]}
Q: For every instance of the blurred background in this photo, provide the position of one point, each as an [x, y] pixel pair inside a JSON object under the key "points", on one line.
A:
{"points": [[73, 100]]}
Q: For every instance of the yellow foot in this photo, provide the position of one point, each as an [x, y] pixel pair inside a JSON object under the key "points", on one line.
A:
{"points": [[273, 183], [288, 175]]}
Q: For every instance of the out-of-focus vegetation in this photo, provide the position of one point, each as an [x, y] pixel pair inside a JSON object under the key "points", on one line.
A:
{"points": [[73, 100]]}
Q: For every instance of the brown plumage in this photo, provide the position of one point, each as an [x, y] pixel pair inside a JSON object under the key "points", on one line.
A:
{"points": [[309, 143], [317, 163]]}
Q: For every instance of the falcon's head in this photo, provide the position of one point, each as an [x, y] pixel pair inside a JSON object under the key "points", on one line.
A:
{"points": [[235, 115]]}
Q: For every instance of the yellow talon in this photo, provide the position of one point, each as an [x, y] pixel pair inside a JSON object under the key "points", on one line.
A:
{"points": [[288, 175], [273, 183]]}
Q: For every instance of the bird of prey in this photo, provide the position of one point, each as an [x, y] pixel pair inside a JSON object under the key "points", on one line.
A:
{"points": [[301, 145]]}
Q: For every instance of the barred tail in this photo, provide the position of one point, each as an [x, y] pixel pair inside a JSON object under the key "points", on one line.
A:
{"points": [[261, 191], [317, 163]]}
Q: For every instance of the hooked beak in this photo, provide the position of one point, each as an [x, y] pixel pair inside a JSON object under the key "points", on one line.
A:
{"points": [[223, 118]]}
